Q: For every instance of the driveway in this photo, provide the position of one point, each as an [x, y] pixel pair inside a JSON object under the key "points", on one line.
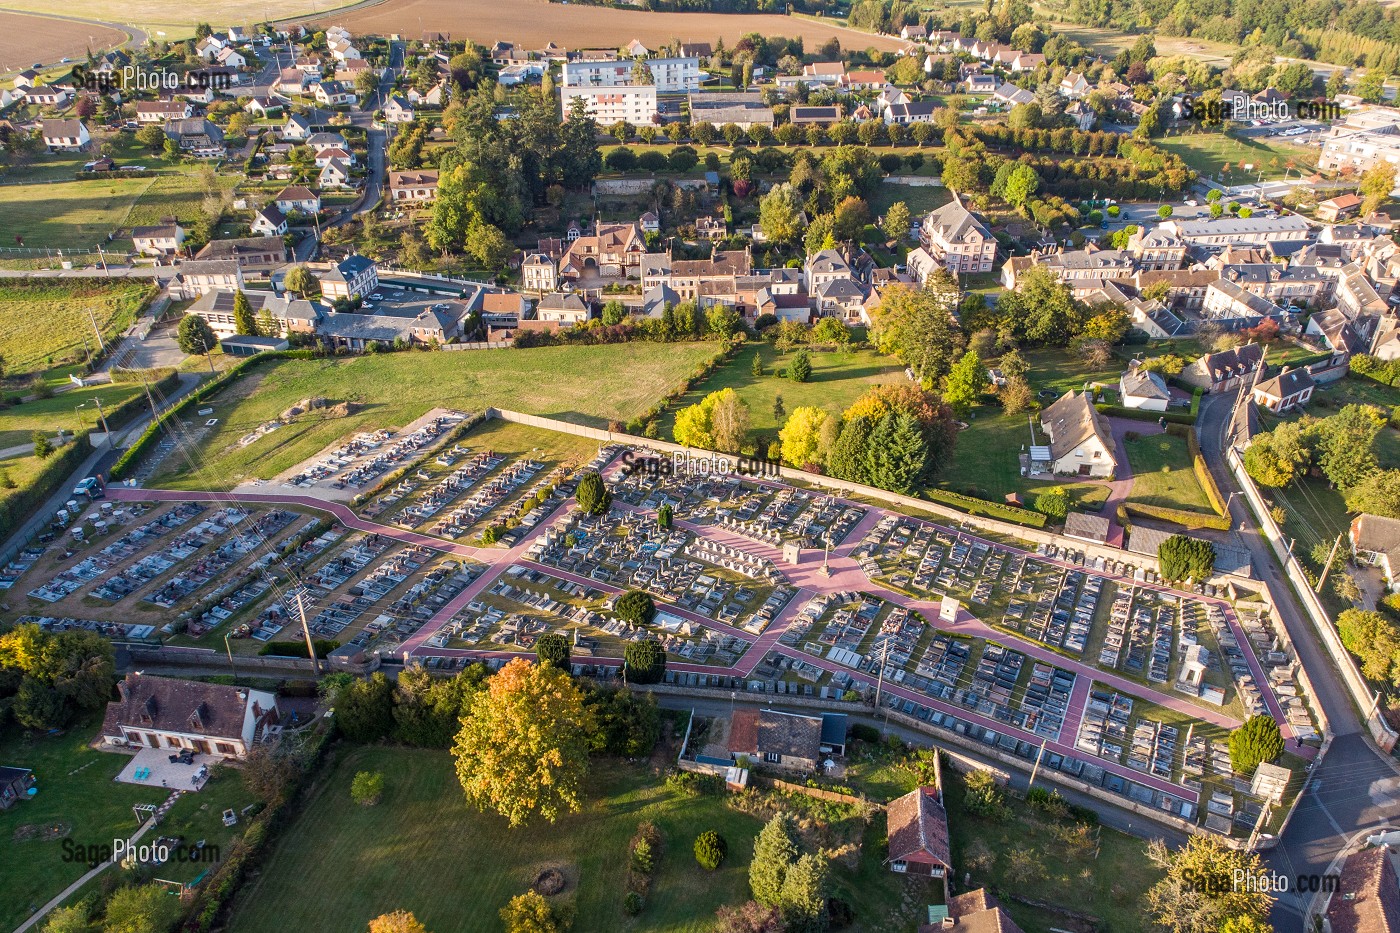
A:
{"points": [[1121, 487]]}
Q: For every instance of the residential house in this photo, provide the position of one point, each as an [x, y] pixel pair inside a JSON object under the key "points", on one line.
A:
{"points": [[263, 106], [359, 332], [1239, 231], [420, 185], [635, 49], [774, 739], [1342, 206], [1009, 95], [433, 97], [297, 127], [982, 84], [1376, 541], [649, 223], [1291, 388], [161, 111], [1218, 372], [397, 110], [290, 315], [297, 199], [539, 273], [1081, 443], [711, 228], [1156, 250], [352, 277], [957, 239], [162, 240], [231, 58], [334, 94], [919, 111], [15, 784], [334, 153], [47, 96], [561, 308], [335, 174], [26, 79], [1082, 114], [196, 136], [1367, 895], [290, 81], [916, 32], [503, 309], [269, 221], [973, 912], [1074, 86], [197, 277], [211, 719], [612, 251], [209, 47], [1228, 302], [259, 254], [64, 135], [865, 80], [320, 142], [917, 831], [1143, 389]]}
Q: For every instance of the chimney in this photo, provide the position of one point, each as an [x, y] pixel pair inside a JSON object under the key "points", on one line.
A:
{"points": [[123, 690]]}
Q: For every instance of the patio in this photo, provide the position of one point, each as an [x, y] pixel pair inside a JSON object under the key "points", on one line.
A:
{"points": [[157, 770]]}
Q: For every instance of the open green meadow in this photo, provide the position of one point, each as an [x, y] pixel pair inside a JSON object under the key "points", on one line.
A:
{"points": [[47, 321], [77, 799], [425, 850], [586, 385], [1209, 153], [838, 379], [63, 411]]}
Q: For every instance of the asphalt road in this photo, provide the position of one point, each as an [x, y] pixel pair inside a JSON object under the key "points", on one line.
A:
{"points": [[1356, 786]]}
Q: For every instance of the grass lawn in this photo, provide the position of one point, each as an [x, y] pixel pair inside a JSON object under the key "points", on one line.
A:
{"points": [[46, 321], [69, 215], [1162, 473], [49, 414], [586, 385], [838, 379], [920, 199], [77, 799], [986, 461], [1208, 153], [424, 849]]}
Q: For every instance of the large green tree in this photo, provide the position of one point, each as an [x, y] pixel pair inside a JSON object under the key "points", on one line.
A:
{"points": [[916, 326], [1183, 558], [1202, 892], [244, 323], [965, 383], [1257, 741], [774, 851], [1040, 311], [645, 661]]}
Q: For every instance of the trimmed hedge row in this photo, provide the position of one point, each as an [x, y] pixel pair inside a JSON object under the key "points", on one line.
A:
{"points": [[1203, 474], [1138, 414], [133, 454], [55, 472], [974, 506], [1183, 517]]}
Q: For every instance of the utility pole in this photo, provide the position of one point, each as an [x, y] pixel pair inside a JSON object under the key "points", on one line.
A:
{"points": [[306, 630], [102, 418], [880, 681], [229, 649], [102, 344], [1328, 567]]}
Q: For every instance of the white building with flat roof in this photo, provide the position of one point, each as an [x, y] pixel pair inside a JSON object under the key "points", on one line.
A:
{"points": [[668, 75], [634, 104]]}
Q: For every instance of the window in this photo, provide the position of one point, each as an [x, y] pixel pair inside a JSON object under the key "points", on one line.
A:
{"points": [[899, 865], [772, 757]]}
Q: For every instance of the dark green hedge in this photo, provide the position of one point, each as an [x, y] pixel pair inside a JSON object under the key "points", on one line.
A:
{"points": [[57, 471], [1138, 414], [1183, 517], [974, 506]]}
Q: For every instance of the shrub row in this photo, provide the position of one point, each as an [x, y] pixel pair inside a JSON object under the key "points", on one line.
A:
{"points": [[133, 454], [19, 503], [1183, 517], [1203, 474], [297, 649], [974, 506], [1138, 414]]}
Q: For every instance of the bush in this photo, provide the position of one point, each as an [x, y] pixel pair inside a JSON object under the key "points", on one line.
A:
{"points": [[863, 733], [1185, 558], [367, 788], [1184, 517], [710, 849], [695, 783], [635, 606], [297, 649], [1053, 503], [1258, 740], [633, 903]]}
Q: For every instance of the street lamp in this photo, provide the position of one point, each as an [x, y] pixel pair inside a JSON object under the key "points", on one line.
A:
{"points": [[229, 649]]}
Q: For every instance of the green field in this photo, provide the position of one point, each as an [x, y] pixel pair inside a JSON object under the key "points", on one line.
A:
{"points": [[46, 321], [77, 799], [17, 424], [78, 215], [1208, 153], [586, 385], [838, 379], [425, 850], [1162, 473]]}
